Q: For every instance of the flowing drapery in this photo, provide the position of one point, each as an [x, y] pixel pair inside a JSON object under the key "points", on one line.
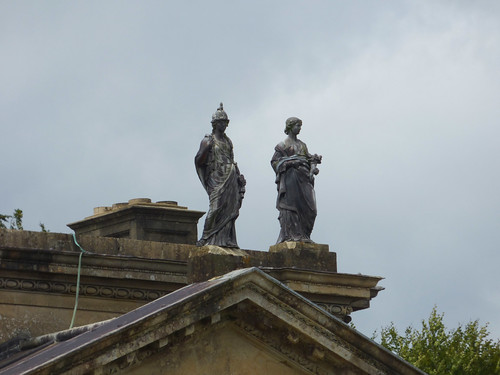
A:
{"points": [[221, 179], [296, 200]]}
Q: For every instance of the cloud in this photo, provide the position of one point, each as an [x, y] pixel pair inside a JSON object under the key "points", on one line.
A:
{"points": [[103, 103]]}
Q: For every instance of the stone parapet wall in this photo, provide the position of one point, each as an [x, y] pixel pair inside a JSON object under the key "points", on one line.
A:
{"points": [[305, 259], [99, 245]]}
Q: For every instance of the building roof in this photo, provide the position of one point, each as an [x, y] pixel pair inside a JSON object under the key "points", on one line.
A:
{"points": [[267, 312]]}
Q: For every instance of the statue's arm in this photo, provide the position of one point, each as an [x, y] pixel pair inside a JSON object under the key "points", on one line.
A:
{"points": [[201, 159], [278, 154], [313, 160]]}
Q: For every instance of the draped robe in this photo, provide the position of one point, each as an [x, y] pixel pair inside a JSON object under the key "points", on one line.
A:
{"points": [[221, 179], [296, 201]]}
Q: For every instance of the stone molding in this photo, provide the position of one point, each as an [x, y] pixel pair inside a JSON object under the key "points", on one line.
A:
{"points": [[87, 290], [335, 309], [31, 263], [62, 242]]}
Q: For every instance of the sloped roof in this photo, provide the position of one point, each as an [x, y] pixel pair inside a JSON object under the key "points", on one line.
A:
{"points": [[260, 305]]}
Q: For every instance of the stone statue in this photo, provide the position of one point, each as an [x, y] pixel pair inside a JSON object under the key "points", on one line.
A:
{"points": [[295, 168], [221, 178]]}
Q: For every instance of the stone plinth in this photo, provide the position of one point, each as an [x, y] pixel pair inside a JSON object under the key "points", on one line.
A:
{"points": [[209, 261], [304, 255], [297, 247], [139, 219]]}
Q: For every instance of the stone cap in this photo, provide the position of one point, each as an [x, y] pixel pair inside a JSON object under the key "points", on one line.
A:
{"points": [[141, 219], [135, 202]]}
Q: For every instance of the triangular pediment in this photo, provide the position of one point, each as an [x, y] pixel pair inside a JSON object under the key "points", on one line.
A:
{"points": [[244, 322]]}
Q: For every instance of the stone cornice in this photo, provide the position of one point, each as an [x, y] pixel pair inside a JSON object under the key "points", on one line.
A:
{"points": [[322, 277], [15, 239], [95, 265], [102, 276]]}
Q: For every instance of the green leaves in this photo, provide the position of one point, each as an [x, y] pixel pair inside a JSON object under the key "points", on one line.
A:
{"points": [[3, 220], [438, 350], [15, 220]]}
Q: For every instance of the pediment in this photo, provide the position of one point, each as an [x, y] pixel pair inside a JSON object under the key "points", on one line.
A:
{"points": [[244, 322]]}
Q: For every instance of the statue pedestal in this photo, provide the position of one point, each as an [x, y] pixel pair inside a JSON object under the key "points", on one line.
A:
{"points": [[210, 261], [297, 247], [307, 255]]}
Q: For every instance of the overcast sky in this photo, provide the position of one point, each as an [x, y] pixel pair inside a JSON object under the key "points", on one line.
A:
{"points": [[104, 101]]}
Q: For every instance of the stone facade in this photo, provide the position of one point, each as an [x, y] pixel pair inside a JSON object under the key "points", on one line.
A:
{"points": [[38, 277]]}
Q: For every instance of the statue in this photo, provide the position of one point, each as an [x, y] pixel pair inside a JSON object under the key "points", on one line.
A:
{"points": [[295, 168], [221, 178]]}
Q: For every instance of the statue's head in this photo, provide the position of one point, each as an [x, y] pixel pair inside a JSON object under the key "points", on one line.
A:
{"points": [[220, 115], [290, 122]]}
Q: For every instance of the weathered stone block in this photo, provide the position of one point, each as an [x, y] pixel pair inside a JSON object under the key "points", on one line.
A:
{"points": [[297, 247], [209, 261], [303, 255]]}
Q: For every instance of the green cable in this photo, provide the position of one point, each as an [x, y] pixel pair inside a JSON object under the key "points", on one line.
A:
{"points": [[77, 281]]}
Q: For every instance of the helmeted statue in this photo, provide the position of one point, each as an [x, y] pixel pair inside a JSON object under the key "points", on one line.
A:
{"points": [[295, 168], [221, 178]]}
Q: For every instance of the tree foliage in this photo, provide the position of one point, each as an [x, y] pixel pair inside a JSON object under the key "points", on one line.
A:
{"points": [[438, 350], [15, 220]]}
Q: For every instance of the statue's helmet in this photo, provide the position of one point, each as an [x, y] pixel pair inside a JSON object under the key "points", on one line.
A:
{"points": [[220, 114]]}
